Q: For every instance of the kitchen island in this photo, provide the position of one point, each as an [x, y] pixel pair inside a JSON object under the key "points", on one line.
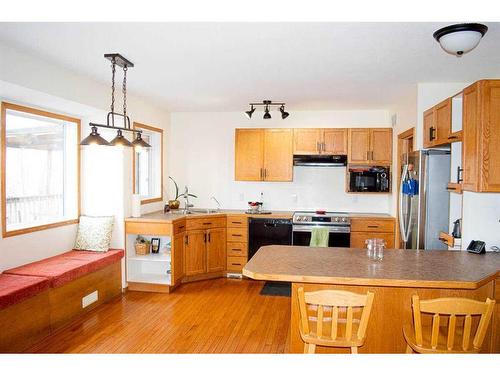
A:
{"points": [[393, 280]]}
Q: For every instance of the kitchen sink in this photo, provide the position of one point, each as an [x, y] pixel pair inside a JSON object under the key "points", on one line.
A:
{"points": [[194, 211]]}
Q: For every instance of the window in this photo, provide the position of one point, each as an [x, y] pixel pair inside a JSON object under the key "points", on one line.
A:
{"points": [[148, 165], [40, 169]]}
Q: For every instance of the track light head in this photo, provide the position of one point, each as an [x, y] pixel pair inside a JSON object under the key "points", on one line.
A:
{"points": [[267, 115], [284, 114], [250, 112], [139, 143]]}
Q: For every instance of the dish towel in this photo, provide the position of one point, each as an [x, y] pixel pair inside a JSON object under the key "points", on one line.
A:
{"points": [[319, 237]]}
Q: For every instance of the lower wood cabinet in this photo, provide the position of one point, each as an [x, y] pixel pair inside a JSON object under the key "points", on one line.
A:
{"points": [[372, 227], [237, 243], [177, 258], [204, 251]]}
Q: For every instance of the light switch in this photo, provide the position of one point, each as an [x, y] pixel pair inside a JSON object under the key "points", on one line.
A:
{"points": [[295, 198]]}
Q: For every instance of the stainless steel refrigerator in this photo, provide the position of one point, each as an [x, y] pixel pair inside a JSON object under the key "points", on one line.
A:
{"points": [[423, 214]]}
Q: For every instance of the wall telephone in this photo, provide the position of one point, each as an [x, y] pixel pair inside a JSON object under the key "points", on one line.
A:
{"points": [[476, 247]]}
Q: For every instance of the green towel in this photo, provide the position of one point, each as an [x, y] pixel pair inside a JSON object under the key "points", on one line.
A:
{"points": [[319, 237]]}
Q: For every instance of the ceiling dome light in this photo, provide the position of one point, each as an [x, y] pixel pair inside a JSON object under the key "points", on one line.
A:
{"points": [[284, 114], [460, 38], [94, 139], [139, 143], [267, 115], [250, 112]]}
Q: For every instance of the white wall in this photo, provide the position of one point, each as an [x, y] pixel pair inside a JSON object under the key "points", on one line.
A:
{"points": [[201, 155], [481, 218], [106, 180]]}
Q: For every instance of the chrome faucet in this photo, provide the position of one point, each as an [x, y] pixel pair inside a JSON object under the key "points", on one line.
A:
{"points": [[216, 201], [187, 205]]}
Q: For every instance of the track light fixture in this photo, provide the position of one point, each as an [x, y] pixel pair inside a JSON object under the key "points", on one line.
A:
{"points": [[94, 138], [267, 104]]}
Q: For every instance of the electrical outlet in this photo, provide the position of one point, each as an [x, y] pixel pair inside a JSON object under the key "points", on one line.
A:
{"points": [[242, 197], [295, 198], [90, 299]]}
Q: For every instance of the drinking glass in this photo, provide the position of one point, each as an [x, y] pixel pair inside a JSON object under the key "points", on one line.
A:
{"points": [[375, 248]]}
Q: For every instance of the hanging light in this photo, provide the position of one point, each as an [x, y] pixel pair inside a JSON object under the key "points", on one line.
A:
{"points": [[139, 143], [267, 114], [460, 38], [94, 139], [284, 114], [119, 140]]}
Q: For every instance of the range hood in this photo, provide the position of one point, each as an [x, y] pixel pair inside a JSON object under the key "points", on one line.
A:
{"points": [[319, 160]]}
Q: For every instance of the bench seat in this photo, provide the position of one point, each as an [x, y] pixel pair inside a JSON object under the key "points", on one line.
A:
{"points": [[64, 268], [15, 289]]}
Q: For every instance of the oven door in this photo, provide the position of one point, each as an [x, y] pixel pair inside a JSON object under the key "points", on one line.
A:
{"points": [[339, 236]]}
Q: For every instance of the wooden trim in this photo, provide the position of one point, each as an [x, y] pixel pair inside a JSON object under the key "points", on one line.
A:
{"points": [[19, 108], [454, 187], [158, 130]]}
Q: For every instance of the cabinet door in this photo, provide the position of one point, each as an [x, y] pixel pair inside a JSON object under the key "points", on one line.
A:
{"points": [[177, 258], [443, 122], [335, 141], [307, 141], [249, 154], [195, 262], [216, 250], [429, 128], [381, 146], [359, 145], [470, 128], [278, 155], [490, 136], [358, 239]]}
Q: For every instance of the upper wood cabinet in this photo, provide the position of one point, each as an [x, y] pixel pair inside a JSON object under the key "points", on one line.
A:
{"points": [[437, 124], [249, 154], [370, 146], [481, 137], [264, 155], [311, 141]]}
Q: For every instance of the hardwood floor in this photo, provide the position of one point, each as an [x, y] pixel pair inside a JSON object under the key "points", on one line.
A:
{"points": [[213, 316]]}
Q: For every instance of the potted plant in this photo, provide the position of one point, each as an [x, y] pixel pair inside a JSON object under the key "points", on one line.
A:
{"points": [[174, 203]]}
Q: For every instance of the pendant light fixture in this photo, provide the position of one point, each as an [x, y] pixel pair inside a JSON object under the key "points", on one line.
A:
{"points": [[94, 138], [267, 104], [460, 38]]}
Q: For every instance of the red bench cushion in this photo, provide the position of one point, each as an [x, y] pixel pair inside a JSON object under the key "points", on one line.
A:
{"points": [[15, 289], [66, 267]]}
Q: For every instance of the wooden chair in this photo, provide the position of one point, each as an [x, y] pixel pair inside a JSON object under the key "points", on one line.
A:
{"points": [[340, 321], [453, 323]]}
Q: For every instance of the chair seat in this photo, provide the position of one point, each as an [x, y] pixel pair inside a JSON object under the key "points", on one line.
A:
{"points": [[64, 268], [312, 338], [15, 289], [409, 335]]}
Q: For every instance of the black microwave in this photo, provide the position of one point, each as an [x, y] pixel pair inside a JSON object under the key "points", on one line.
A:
{"points": [[369, 179]]}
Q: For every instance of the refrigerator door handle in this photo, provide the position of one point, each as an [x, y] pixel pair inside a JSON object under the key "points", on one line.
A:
{"points": [[402, 229]]}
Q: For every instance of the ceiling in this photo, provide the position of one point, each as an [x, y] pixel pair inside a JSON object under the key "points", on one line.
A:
{"points": [[224, 66]]}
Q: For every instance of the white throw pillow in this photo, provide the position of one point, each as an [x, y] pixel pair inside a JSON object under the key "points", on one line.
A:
{"points": [[94, 233]]}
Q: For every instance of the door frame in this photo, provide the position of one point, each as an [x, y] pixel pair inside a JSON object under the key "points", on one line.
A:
{"points": [[404, 138]]}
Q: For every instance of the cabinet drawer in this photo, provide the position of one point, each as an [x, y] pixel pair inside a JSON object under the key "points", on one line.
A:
{"points": [[237, 221], [236, 264], [205, 223], [237, 249], [179, 226], [372, 225], [358, 239], [237, 234], [159, 229]]}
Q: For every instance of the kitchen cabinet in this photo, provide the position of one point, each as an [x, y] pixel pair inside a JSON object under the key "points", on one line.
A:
{"points": [[205, 251], [237, 243], [437, 124], [481, 137], [177, 257], [320, 141], [372, 227], [370, 146], [264, 155]]}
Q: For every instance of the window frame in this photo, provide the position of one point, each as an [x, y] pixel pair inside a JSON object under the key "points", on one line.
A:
{"points": [[3, 140], [140, 126]]}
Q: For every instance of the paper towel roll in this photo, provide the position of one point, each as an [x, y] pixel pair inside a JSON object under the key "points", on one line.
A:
{"points": [[136, 205]]}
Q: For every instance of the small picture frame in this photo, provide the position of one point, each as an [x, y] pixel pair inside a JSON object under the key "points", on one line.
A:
{"points": [[155, 245]]}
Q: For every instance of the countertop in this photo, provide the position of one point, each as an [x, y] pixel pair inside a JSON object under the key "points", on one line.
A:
{"points": [[399, 268], [169, 217]]}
